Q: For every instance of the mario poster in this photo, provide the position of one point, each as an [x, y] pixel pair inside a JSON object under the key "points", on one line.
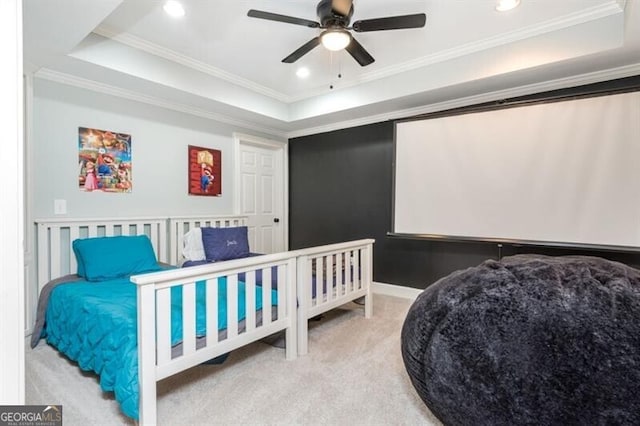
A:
{"points": [[104, 161], [205, 171]]}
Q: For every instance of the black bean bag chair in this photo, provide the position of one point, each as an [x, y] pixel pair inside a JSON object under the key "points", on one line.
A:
{"points": [[529, 340]]}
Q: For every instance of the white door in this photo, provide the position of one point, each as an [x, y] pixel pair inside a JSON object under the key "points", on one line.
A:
{"points": [[261, 183]]}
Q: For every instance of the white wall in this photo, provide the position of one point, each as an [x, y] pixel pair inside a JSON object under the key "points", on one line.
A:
{"points": [[159, 161], [12, 364], [159, 155]]}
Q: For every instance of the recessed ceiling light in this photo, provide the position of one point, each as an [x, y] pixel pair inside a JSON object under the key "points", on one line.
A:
{"points": [[174, 9], [504, 5], [303, 72]]}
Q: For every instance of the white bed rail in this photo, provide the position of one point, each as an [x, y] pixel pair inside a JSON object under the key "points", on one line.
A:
{"points": [[330, 276], [55, 238], [154, 311], [178, 226]]}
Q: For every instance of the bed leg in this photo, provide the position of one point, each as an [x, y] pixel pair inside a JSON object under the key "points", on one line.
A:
{"points": [[147, 407], [303, 335], [368, 305], [291, 350], [368, 298]]}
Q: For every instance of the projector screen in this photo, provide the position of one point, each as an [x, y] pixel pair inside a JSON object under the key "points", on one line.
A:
{"points": [[558, 173]]}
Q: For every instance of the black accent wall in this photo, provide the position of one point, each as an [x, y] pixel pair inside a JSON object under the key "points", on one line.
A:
{"points": [[340, 188]]}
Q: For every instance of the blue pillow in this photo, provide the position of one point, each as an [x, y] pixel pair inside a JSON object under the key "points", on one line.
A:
{"points": [[81, 272], [105, 258], [225, 243]]}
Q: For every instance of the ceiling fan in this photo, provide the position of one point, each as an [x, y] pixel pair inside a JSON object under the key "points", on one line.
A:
{"points": [[335, 16]]}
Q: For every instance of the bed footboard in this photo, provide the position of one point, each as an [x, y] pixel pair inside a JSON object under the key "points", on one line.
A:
{"points": [[330, 276], [154, 316]]}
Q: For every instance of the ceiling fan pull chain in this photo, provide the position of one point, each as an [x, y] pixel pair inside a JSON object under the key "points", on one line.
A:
{"points": [[331, 69], [339, 73]]}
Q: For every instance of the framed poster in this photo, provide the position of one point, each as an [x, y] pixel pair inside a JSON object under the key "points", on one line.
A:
{"points": [[104, 160], [204, 171]]}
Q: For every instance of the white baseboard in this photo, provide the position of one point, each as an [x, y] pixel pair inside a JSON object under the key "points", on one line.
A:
{"points": [[395, 290]]}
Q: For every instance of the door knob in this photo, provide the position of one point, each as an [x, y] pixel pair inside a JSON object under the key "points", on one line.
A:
{"points": [[276, 220]]}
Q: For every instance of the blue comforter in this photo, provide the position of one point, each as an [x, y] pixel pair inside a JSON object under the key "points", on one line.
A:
{"points": [[95, 324]]}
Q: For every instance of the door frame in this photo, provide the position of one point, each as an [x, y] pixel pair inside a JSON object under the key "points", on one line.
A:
{"points": [[240, 139]]}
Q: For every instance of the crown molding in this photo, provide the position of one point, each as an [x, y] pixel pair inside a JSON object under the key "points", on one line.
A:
{"points": [[593, 77], [92, 85], [587, 15], [567, 21], [156, 50], [560, 83]]}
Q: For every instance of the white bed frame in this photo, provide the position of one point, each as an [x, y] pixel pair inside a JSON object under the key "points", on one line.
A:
{"points": [[295, 269], [357, 256]]}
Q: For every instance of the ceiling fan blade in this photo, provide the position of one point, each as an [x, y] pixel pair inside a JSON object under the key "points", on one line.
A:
{"points": [[343, 7], [359, 53], [302, 50], [282, 18], [391, 23]]}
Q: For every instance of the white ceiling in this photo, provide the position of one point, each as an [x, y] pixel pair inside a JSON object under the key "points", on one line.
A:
{"points": [[218, 63]]}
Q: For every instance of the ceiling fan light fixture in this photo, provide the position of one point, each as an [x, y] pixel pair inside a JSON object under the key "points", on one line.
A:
{"points": [[335, 40], [504, 5]]}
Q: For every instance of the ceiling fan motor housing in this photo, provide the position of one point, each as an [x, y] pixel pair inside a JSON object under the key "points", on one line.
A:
{"points": [[330, 18]]}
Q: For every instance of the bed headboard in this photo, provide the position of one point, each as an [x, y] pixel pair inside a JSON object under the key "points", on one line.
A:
{"points": [[54, 238], [178, 226]]}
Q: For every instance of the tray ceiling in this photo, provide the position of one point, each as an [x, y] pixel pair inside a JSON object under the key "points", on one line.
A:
{"points": [[219, 63]]}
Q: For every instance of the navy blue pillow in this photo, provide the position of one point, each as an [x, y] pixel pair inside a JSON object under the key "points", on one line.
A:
{"points": [[225, 243]]}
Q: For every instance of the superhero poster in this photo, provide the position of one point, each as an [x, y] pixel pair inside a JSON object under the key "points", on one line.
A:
{"points": [[104, 161], [205, 171]]}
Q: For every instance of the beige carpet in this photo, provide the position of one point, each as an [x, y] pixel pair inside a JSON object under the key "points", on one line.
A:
{"points": [[353, 375]]}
